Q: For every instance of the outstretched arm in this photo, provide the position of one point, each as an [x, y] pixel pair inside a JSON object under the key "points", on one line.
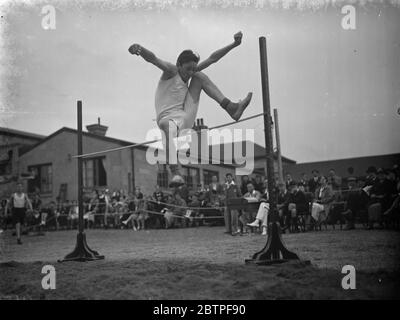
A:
{"points": [[217, 55], [166, 67]]}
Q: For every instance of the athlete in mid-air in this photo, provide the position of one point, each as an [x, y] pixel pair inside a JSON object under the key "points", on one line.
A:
{"points": [[177, 100]]}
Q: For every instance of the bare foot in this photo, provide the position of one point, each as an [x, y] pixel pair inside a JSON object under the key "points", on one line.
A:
{"points": [[235, 110]]}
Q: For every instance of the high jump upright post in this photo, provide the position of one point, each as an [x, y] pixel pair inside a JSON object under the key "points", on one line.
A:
{"points": [[274, 251], [82, 252]]}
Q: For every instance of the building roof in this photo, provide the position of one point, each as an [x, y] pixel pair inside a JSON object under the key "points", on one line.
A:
{"points": [[353, 158], [259, 151], [87, 134], [23, 134]]}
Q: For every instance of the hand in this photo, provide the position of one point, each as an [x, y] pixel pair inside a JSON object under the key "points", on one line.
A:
{"points": [[135, 49], [238, 38]]}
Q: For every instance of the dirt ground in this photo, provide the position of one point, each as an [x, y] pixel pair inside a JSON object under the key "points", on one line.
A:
{"points": [[201, 263]]}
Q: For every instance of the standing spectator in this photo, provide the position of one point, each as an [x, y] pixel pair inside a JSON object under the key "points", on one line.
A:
{"points": [[142, 214], [231, 216], [19, 201], [334, 180], [314, 182]]}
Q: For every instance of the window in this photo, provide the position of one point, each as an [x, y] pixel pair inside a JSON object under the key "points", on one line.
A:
{"points": [[208, 174], [43, 178], [191, 176], [162, 176], [94, 173]]}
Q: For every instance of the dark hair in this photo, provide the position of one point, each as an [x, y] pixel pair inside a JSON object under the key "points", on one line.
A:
{"points": [[229, 174], [293, 184], [350, 170], [187, 56], [250, 183]]}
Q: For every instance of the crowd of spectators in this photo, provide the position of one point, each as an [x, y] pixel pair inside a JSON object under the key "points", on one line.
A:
{"points": [[301, 205]]}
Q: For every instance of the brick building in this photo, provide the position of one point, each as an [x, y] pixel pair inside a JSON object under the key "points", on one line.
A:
{"points": [[51, 169]]}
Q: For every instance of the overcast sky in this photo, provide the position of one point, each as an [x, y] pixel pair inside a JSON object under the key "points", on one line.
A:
{"points": [[337, 91]]}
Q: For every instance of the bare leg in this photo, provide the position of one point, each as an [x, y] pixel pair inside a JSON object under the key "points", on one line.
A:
{"points": [[170, 127], [200, 82], [18, 230]]}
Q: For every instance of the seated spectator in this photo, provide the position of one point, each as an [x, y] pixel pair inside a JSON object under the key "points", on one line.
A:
{"points": [[303, 184], [282, 204], [91, 209], [264, 194], [258, 184], [262, 214], [392, 183], [180, 209], [49, 217], [324, 196], [288, 180], [191, 214], [137, 217], [168, 212], [314, 182], [353, 203], [215, 191], [371, 177], [5, 215], [392, 214], [334, 180], [243, 184], [379, 198], [73, 215], [297, 204], [35, 218], [158, 195], [251, 195], [157, 204], [62, 213]]}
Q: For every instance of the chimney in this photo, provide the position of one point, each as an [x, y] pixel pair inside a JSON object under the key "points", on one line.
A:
{"points": [[97, 128], [199, 125]]}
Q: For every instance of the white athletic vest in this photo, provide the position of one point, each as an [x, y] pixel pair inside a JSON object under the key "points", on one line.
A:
{"points": [[19, 201], [170, 96]]}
